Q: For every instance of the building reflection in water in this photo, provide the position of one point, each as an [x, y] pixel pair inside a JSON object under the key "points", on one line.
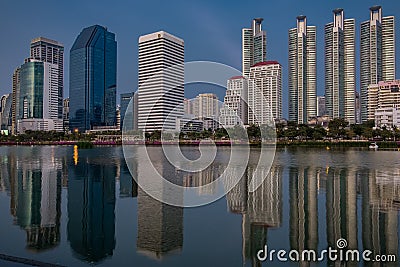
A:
{"points": [[33, 178], [260, 210], [202, 178], [160, 226], [341, 207], [303, 209], [380, 207], [128, 187], [91, 207]]}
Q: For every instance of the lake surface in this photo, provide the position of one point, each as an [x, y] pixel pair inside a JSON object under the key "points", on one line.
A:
{"points": [[82, 207]]}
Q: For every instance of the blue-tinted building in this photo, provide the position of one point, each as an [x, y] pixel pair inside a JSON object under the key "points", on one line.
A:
{"points": [[31, 90], [93, 79], [125, 100]]}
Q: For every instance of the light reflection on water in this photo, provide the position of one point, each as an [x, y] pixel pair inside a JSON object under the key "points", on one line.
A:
{"points": [[74, 212]]}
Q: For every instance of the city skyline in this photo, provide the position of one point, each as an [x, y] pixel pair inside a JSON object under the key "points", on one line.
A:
{"points": [[225, 47]]}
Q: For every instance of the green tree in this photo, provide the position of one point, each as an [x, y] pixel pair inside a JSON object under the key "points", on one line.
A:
{"points": [[337, 128], [220, 133], [253, 132], [319, 133]]}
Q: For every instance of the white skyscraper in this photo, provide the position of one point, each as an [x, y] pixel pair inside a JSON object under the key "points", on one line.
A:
{"points": [[161, 78], [302, 71], [340, 67], [254, 42], [234, 110], [265, 92], [377, 53]]}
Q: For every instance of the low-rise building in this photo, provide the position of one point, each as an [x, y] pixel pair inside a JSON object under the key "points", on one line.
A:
{"points": [[39, 125], [379, 96], [234, 110], [387, 117]]}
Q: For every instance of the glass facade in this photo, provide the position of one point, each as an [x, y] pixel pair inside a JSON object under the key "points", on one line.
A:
{"points": [[125, 99], [93, 79], [31, 91]]}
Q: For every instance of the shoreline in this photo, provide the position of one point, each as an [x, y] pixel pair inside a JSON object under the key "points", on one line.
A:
{"points": [[287, 143]]}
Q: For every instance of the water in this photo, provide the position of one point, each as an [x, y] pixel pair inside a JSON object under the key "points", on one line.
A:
{"points": [[83, 208]]}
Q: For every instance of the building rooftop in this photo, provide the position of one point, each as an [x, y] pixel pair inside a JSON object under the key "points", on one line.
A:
{"points": [[47, 40], [160, 34], [337, 10], [236, 77], [265, 63], [375, 8]]}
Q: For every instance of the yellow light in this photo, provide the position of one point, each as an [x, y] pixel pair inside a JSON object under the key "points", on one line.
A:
{"points": [[75, 154]]}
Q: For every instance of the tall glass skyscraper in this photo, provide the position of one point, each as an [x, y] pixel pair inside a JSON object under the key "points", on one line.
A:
{"points": [[93, 79], [340, 67], [302, 71]]}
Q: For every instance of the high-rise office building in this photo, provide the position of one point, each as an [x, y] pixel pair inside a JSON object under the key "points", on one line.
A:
{"points": [[302, 71], [265, 92], [161, 78], [15, 96], [254, 45], [205, 107], [37, 97], [131, 122], [377, 52], [93, 79], [234, 111], [51, 51], [340, 67], [188, 106], [66, 114], [5, 112], [321, 107], [358, 107]]}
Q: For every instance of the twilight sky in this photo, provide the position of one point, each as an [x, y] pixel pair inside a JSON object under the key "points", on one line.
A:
{"points": [[211, 30]]}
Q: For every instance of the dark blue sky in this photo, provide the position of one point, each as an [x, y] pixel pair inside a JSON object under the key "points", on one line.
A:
{"points": [[211, 29]]}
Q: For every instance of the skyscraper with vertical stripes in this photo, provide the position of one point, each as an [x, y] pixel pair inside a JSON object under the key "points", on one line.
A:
{"points": [[254, 43], [302, 71], [340, 67], [377, 53]]}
